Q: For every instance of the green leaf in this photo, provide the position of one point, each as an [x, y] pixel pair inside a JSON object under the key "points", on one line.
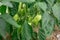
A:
{"points": [[58, 0], [28, 1], [0, 4], [47, 23], [26, 31], [14, 34], [2, 9], [50, 2], [6, 3], [41, 35], [14, 9], [56, 10], [10, 20], [41, 5], [3, 27]]}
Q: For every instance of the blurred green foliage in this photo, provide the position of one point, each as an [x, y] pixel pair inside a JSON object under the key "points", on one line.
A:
{"points": [[28, 19]]}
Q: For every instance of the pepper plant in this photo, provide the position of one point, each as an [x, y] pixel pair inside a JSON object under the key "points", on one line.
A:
{"points": [[28, 19]]}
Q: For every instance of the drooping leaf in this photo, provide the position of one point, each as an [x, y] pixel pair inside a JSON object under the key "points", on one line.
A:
{"points": [[10, 20], [3, 27], [47, 23], [26, 32], [56, 10], [41, 5]]}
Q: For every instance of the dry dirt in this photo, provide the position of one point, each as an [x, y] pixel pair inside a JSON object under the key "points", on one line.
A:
{"points": [[55, 35]]}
